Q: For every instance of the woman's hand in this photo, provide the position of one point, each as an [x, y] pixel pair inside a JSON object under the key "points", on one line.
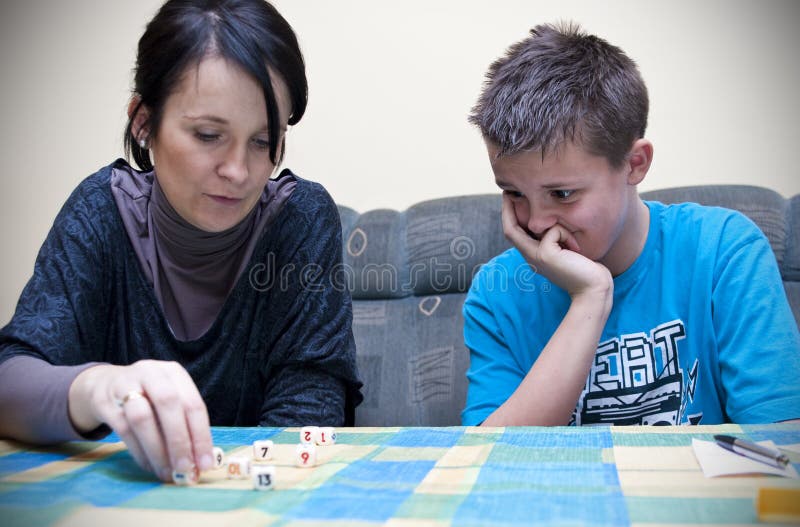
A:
{"points": [[155, 408], [556, 257]]}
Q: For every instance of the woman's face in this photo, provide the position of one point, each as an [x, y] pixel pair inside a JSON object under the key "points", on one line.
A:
{"points": [[211, 150]]}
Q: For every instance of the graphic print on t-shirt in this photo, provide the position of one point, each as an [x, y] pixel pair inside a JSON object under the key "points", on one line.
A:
{"points": [[636, 379]]}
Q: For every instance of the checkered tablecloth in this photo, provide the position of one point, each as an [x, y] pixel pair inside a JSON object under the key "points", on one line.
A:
{"points": [[401, 476]]}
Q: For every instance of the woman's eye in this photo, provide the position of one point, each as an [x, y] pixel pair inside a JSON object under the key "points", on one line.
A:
{"points": [[261, 144], [206, 137], [562, 194]]}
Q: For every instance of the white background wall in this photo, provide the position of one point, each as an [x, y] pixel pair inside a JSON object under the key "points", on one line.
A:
{"points": [[391, 84]]}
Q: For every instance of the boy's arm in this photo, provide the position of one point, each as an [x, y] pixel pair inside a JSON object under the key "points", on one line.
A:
{"points": [[548, 393], [757, 336]]}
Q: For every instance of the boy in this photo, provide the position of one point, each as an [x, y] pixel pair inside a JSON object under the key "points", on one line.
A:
{"points": [[609, 309]]}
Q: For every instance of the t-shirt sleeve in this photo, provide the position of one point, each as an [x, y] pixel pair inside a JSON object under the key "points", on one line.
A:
{"points": [[311, 374], [58, 317], [757, 337], [494, 373]]}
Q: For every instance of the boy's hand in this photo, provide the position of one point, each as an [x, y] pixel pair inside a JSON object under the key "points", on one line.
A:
{"points": [[556, 257]]}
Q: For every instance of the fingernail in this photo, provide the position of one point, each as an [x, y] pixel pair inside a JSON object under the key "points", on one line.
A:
{"points": [[206, 462]]}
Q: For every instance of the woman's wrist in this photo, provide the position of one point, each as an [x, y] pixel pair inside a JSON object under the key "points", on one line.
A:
{"points": [[80, 395]]}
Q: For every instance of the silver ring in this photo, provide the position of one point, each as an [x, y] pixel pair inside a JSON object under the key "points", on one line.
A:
{"points": [[130, 396]]}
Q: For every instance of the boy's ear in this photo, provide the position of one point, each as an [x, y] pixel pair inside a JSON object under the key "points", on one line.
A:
{"points": [[639, 160], [139, 126]]}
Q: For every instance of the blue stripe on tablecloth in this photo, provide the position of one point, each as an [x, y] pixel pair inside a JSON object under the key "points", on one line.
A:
{"points": [[242, 436], [525, 507], [400, 475], [348, 503], [410, 437], [559, 478], [222, 435], [364, 490], [575, 477], [21, 461], [563, 437], [106, 483], [779, 437]]}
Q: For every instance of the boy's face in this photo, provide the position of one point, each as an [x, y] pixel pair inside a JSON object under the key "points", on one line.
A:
{"points": [[572, 188]]}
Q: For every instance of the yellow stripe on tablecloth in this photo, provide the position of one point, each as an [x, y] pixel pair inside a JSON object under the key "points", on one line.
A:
{"points": [[286, 477], [693, 484], [484, 429], [9, 447], [655, 458], [121, 517], [284, 454], [465, 456], [449, 481], [64, 466]]}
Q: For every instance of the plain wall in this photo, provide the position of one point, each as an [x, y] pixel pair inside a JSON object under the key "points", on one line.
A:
{"points": [[391, 84]]}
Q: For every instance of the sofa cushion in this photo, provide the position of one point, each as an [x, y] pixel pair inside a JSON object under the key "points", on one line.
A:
{"points": [[791, 263], [434, 247], [412, 358], [765, 207]]}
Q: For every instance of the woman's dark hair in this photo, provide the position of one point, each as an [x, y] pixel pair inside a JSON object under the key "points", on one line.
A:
{"points": [[250, 33], [561, 84]]}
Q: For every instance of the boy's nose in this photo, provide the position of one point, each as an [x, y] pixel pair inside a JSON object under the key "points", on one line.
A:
{"points": [[539, 221]]}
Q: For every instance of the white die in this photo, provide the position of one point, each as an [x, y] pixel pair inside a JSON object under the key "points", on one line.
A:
{"points": [[305, 455], [263, 449], [189, 477], [308, 435], [219, 457], [263, 477], [238, 467], [326, 435]]}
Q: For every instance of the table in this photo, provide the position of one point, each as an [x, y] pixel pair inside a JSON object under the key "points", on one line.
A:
{"points": [[459, 476]]}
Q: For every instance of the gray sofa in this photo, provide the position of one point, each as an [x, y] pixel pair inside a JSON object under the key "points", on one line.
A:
{"points": [[409, 273]]}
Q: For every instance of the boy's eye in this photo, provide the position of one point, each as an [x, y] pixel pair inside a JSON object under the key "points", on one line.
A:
{"points": [[514, 193], [562, 194]]}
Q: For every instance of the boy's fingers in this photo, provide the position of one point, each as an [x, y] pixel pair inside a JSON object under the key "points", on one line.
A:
{"points": [[516, 234]]}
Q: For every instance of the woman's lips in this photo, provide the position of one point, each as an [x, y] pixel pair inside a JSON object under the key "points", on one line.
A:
{"points": [[224, 200]]}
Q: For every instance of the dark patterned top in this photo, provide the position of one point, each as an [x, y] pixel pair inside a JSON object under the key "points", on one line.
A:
{"points": [[281, 351]]}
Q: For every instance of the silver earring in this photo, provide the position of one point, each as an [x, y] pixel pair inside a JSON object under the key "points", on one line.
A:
{"points": [[143, 144]]}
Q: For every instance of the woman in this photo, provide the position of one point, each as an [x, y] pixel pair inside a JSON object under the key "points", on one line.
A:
{"points": [[195, 291]]}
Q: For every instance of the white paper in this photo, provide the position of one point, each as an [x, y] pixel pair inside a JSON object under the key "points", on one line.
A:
{"points": [[795, 448], [716, 461]]}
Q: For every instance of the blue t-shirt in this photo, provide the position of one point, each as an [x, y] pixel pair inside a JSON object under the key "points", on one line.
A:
{"points": [[700, 331]]}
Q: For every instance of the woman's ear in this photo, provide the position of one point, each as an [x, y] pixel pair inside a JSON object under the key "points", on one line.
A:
{"points": [[639, 159], [140, 116]]}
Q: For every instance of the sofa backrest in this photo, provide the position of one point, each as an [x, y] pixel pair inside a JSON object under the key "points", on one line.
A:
{"points": [[409, 273]]}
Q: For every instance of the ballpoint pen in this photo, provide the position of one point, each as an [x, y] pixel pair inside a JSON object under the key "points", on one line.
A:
{"points": [[752, 451]]}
